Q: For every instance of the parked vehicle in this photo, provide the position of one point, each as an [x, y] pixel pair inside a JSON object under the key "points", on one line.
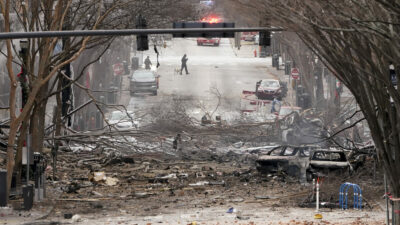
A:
{"points": [[208, 3], [324, 161], [122, 120], [208, 41], [144, 81], [248, 36], [306, 161], [288, 159], [270, 89]]}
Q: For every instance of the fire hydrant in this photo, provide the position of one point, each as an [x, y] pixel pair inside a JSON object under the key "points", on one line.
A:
{"points": [[255, 52]]}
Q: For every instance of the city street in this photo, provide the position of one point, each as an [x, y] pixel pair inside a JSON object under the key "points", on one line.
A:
{"points": [[210, 69], [196, 112]]}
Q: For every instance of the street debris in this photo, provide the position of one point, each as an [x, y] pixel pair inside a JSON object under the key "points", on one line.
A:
{"points": [[111, 181], [231, 210], [200, 183], [76, 218], [228, 167], [97, 177]]}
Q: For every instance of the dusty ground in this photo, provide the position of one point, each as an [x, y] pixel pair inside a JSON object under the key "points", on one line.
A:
{"points": [[185, 187]]}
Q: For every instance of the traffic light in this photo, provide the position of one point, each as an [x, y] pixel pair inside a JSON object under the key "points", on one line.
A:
{"points": [[142, 40], [265, 38], [204, 25]]}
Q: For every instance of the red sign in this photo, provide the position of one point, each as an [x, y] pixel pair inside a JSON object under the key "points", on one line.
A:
{"points": [[295, 73]]}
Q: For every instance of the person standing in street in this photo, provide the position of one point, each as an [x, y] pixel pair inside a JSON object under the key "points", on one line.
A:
{"points": [[273, 106], [184, 66], [147, 63]]}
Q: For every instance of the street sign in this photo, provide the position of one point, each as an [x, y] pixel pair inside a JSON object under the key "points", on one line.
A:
{"points": [[295, 73]]}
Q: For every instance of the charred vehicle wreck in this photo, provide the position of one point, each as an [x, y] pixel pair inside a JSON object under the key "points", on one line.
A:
{"points": [[304, 162], [291, 160], [323, 162]]}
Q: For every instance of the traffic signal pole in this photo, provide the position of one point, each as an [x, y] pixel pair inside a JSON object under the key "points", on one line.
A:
{"points": [[127, 32]]}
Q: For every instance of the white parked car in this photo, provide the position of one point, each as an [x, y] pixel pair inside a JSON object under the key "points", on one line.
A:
{"points": [[123, 120]]}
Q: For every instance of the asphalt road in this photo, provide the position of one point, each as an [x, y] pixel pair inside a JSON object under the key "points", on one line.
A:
{"points": [[212, 69]]}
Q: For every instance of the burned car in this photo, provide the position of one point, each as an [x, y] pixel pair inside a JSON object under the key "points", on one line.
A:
{"points": [[324, 161], [288, 159]]}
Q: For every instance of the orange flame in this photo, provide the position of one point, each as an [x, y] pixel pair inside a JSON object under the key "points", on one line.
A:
{"points": [[211, 20]]}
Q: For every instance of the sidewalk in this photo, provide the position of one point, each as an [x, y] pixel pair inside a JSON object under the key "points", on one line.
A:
{"points": [[246, 50]]}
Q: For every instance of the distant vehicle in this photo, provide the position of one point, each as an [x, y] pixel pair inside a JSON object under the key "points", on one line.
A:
{"points": [[248, 36], [207, 3], [270, 89], [208, 41], [123, 120], [144, 81]]}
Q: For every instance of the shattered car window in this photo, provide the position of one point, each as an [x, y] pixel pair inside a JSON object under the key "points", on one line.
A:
{"points": [[276, 152], [305, 153], [288, 151], [329, 156], [337, 157]]}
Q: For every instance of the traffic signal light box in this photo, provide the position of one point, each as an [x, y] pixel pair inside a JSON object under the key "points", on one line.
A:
{"points": [[204, 25], [142, 39], [265, 38]]}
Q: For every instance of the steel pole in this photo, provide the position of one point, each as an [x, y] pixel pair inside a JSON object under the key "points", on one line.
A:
{"points": [[126, 32], [387, 199], [317, 198], [28, 146]]}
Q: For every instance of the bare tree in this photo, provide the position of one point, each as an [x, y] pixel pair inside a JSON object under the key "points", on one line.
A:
{"points": [[42, 63], [357, 41]]}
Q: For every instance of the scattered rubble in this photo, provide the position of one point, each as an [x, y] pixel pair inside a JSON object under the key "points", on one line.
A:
{"points": [[220, 169]]}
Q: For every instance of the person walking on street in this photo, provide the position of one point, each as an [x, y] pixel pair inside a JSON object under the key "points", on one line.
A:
{"points": [[184, 66], [147, 63]]}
